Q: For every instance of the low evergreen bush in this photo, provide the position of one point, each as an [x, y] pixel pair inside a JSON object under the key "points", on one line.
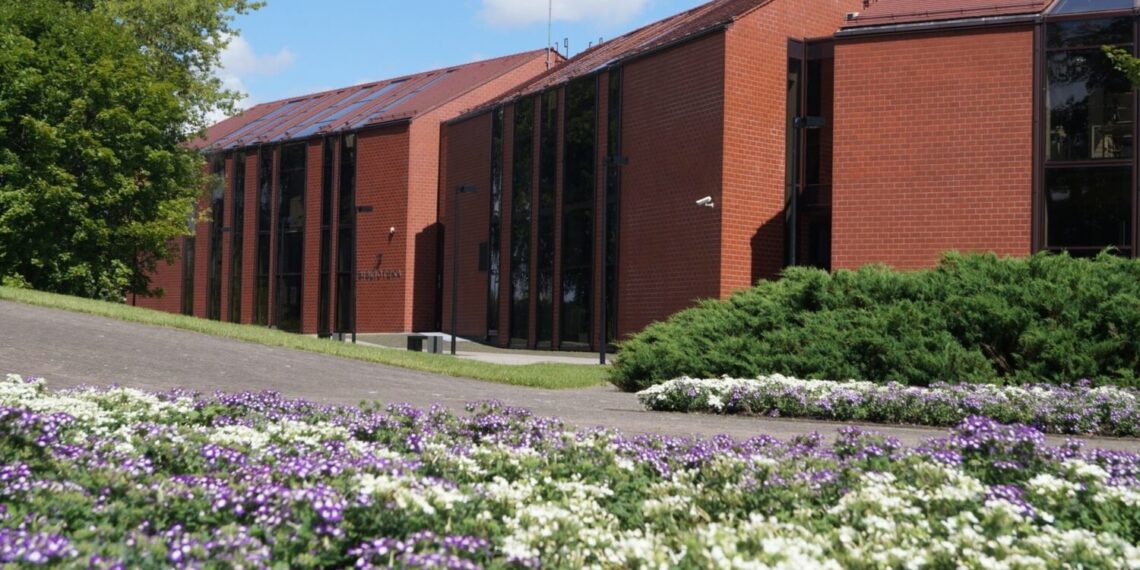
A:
{"points": [[974, 318]]}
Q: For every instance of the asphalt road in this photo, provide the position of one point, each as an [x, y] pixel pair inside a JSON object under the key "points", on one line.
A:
{"points": [[70, 349]]}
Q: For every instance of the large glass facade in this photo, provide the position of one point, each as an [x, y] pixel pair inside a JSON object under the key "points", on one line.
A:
{"points": [[217, 221], [522, 173], [237, 236], [493, 240], [290, 237], [580, 149], [547, 196], [264, 220], [323, 291], [613, 195], [346, 234], [1089, 149]]}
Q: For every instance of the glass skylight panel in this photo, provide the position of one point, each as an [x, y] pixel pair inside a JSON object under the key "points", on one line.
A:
{"points": [[234, 136], [403, 99], [1089, 6]]}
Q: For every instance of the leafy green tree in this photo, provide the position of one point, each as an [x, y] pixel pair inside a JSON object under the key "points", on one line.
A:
{"points": [[1125, 62], [100, 102]]}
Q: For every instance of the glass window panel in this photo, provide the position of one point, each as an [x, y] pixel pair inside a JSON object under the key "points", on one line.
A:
{"points": [[290, 236], [547, 178], [522, 172], [1088, 33], [1090, 107], [237, 237], [493, 242], [1088, 207]]}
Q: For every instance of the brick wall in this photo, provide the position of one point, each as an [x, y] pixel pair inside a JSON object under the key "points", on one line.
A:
{"points": [[470, 164], [312, 248], [382, 161], [933, 146], [755, 133], [166, 277], [672, 128]]}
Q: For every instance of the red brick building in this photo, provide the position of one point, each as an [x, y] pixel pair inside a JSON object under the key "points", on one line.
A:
{"points": [[313, 189], [687, 160], [826, 133], [698, 106]]}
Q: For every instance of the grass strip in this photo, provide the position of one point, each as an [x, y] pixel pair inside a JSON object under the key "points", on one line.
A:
{"points": [[544, 375]]}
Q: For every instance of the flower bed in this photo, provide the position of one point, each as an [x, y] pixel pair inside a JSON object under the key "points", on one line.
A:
{"points": [[106, 478], [1079, 409]]}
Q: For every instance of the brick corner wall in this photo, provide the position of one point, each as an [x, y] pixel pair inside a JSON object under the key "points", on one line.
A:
{"points": [[933, 146]]}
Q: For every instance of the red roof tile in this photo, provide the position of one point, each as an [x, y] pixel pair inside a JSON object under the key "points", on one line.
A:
{"points": [[885, 12], [358, 106], [686, 25]]}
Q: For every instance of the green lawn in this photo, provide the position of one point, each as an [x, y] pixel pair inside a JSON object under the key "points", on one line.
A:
{"points": [[537, 375]]}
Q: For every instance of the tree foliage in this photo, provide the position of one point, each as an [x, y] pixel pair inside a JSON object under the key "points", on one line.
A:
{"points": [[99, 102], [1124, 61]]}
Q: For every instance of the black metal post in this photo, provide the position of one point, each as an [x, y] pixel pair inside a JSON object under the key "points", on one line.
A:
{"points": [[603, 338], [464, 189]]}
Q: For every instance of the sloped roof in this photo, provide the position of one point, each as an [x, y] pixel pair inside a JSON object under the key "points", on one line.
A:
{"points": [[350, 108], [886, 12], [686, 25]]}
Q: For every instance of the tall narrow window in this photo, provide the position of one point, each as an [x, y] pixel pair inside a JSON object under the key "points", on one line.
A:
{"points": [[1089, 129], [547, 188], [327, 157], [188, 274], [290, 237], [346, 234], [808, 168], [264, 231], [522, 172], [496, 221], [578, 213], [237, 236], [613, 193], [217, 221]]}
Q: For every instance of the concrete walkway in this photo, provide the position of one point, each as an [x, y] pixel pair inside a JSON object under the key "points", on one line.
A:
{"points": [[70, 349]]}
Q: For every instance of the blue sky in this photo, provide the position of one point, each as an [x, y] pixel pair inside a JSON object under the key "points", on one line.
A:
{"points": [[292, 47]]}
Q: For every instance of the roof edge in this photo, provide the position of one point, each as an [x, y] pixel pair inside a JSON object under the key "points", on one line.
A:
{"points": [[936, 25], [508, 99], [536, 52]]}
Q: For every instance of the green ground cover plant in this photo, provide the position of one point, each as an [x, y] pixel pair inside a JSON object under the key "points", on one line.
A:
{"points": [[974, 318], [103, 478], [545, 375]]}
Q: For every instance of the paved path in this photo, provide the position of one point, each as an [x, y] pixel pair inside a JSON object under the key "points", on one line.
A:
{"points": [[70, 349]]}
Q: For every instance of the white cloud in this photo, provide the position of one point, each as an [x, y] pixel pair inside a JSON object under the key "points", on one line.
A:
{"points": [[524, 12], [240, 62]]}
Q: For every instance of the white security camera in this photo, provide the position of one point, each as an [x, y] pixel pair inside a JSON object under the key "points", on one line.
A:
{"points": [[707, 202]]}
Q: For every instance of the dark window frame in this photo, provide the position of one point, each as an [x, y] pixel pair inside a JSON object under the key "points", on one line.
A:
{"points": [[577, 251], [214, 235], [522, 186], [1043, 165], [237, 236], [289, 274], [494, 233]]}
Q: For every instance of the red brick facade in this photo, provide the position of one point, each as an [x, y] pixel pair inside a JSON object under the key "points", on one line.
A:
{"points": [[930, 138], [397, 175], [930, 158]]}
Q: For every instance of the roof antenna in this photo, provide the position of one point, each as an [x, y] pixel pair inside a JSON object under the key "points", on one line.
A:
{"points": [[549, 24], [566, 46]]}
